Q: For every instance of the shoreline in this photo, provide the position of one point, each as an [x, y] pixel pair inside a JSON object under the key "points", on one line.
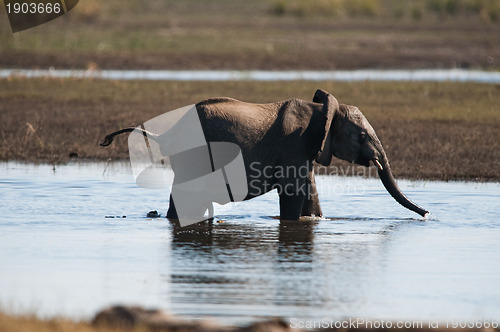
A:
{"points": [[333, 170], [133, 318]]}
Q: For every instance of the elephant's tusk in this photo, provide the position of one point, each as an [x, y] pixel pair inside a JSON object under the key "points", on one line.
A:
{"points": [[378, 164]]}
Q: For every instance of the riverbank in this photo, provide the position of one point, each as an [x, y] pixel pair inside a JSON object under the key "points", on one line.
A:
{"points": [[435, 131], [123, 318]]}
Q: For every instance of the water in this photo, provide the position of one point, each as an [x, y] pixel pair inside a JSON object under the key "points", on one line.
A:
{"points": [[60, 255], [437, 75]]}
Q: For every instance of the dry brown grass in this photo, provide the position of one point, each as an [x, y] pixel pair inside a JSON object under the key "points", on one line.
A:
{"points": [[445, 131], [239, 34], [33, 324], [10, 323]]}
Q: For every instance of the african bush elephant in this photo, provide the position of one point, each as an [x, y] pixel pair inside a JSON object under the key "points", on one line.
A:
{"points": [[279, 142]]}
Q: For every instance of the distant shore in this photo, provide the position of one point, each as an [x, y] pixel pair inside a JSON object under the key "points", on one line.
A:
{"points": [[261, 34]]}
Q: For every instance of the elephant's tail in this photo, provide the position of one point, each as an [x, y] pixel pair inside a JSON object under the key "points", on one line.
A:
{"points": [[109, 138]]}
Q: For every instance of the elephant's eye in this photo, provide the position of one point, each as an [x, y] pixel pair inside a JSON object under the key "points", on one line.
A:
{"points": [[362, 137]]}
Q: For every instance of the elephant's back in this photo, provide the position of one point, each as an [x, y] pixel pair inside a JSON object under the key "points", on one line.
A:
{"points": [[227, 119], [234, 109]]}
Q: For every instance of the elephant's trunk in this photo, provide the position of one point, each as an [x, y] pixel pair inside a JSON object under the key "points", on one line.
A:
{"points": [[384, 171]]}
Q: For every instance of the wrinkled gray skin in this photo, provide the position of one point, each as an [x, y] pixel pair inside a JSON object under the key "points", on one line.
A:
{"points": [[277, 138]]}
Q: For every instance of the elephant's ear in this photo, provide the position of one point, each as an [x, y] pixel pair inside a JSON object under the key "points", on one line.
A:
{"points": [[330, 107]]}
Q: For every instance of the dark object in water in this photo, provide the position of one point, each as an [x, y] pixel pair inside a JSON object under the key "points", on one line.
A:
{"points": [[153, 214]]}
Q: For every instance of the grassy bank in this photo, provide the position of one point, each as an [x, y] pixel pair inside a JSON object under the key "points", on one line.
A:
{"points": [[161, 323], [261, 34], [32, 324], [441, 131]]}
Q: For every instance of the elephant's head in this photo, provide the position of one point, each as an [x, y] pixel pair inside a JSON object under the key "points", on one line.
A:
{"points": [[351, 137]]}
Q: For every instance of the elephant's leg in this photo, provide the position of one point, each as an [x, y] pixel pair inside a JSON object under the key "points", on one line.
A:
{"points": [[172, 212], [291, 205], [311, 204]]}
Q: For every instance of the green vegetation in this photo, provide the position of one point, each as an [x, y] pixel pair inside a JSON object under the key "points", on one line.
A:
{"points": [[336, 8], [486, 10], [430, 130]]}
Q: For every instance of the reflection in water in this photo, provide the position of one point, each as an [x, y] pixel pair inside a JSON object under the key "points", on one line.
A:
{"points": [[61, 256], [294, 264], [273, 265]]}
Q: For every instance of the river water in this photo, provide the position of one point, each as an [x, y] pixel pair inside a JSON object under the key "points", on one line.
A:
{"points": [[434, 75], [62, 254]]}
